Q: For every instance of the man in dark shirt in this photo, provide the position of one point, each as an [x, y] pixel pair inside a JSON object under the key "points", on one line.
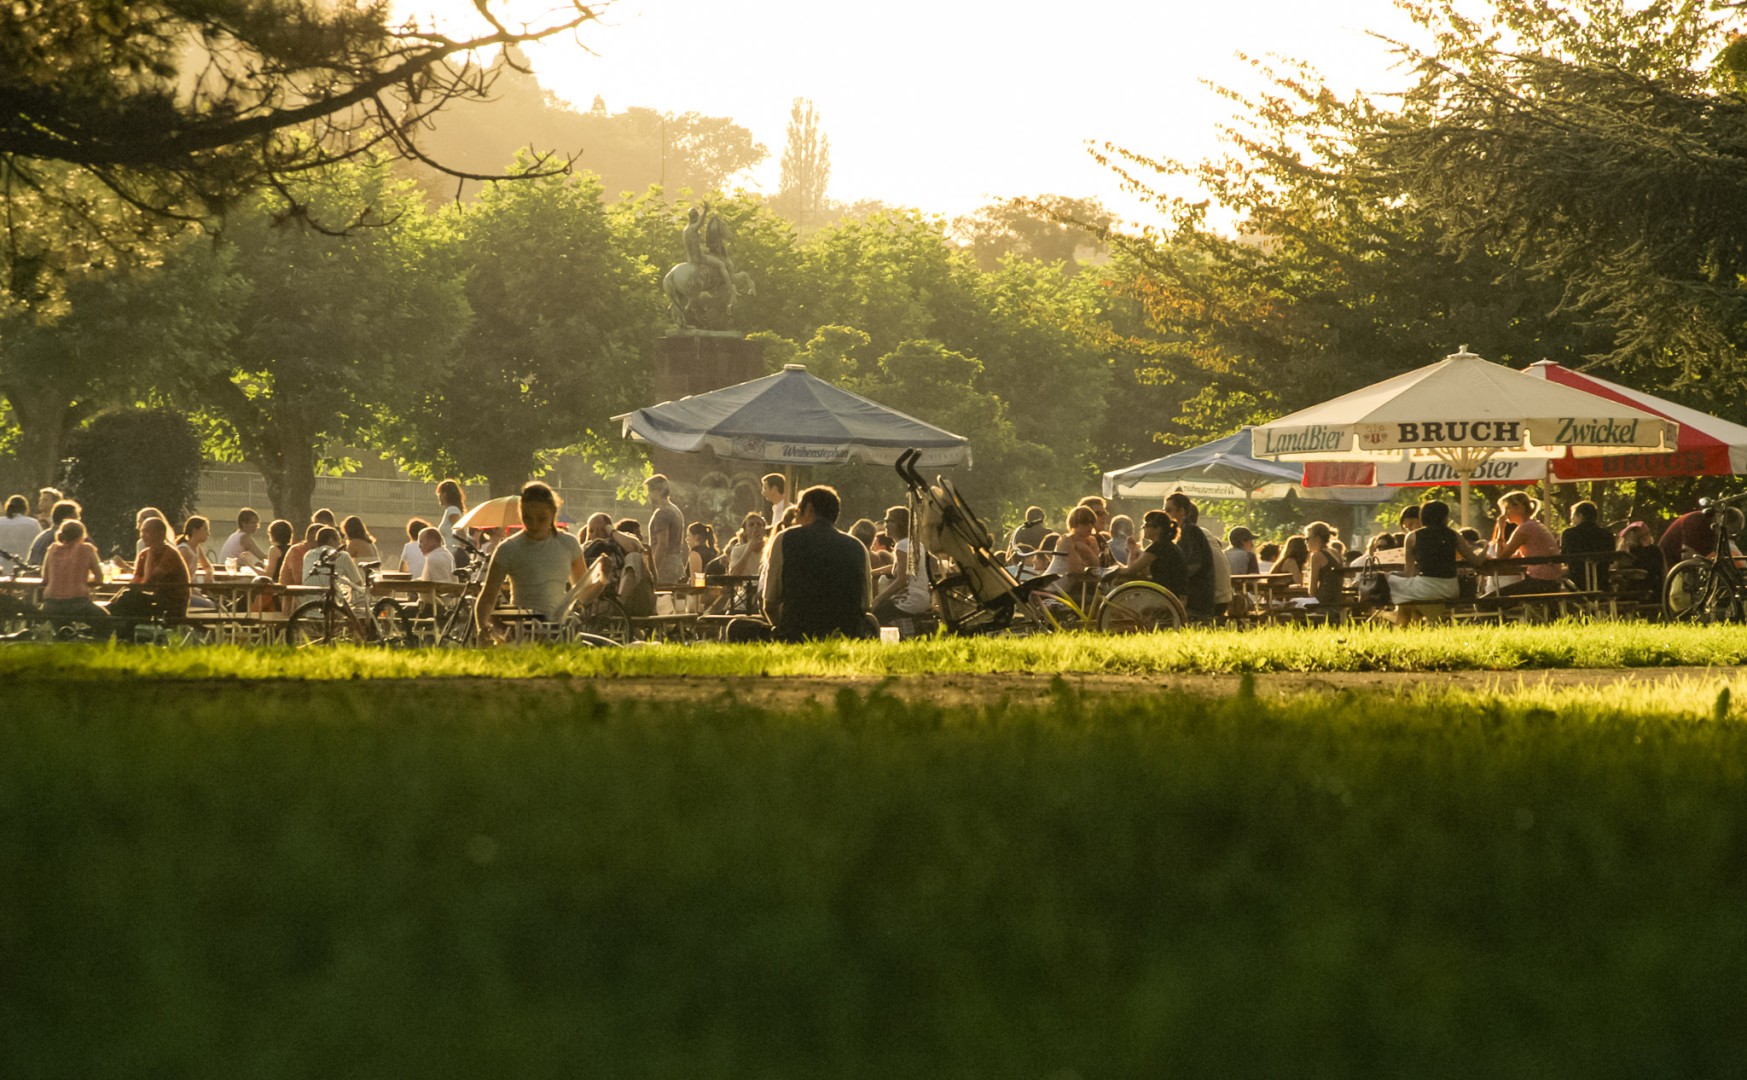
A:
{"points": [[817, 582], [1198, 555], [1586, 537], [1159, 560]]}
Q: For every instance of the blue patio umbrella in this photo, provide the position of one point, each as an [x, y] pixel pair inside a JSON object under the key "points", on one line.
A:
{"points": [[1225, 469], [792, 418]]}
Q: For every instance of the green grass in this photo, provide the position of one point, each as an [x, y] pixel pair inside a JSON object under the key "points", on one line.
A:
{"points": [[481, 879], [1282, 649]]}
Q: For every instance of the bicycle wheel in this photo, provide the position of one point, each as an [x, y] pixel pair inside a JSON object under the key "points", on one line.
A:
{"points": [[963, 613], [393, 623], [1139, 607], [310, 625], [1686, 590], [602, 617]]}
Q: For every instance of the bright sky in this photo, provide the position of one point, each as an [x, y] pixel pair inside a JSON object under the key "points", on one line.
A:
{"points": [[947, 104]]}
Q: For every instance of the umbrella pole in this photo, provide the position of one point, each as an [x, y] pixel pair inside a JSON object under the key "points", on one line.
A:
{"points": [[1466, 475]]}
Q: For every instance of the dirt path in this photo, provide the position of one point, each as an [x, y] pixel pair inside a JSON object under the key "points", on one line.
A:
{"points": [[968, 689]]}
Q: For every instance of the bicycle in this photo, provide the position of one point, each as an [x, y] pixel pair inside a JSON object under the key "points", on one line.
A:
{"points": [[1709, 588], [1132, 607], [331, 619]]}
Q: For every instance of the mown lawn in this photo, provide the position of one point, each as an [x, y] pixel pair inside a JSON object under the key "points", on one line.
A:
{"points": [[486, 879], [1275, 649]]}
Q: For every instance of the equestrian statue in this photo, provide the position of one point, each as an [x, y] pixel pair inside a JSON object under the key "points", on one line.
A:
{"points": [[702, 291]]}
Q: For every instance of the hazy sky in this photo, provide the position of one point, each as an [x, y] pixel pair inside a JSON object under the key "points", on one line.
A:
{"points": [[945, 104]]}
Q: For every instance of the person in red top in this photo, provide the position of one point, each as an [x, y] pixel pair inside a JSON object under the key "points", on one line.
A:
{"points": [[69, 568], [160, 569], [1691, 531]]}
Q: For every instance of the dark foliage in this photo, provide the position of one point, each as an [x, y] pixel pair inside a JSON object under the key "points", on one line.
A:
{"points": [[122, 461]]}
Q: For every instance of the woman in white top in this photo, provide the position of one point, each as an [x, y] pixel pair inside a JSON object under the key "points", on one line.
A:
{"points": [[908, 592], [454, 503], [746, 550]]}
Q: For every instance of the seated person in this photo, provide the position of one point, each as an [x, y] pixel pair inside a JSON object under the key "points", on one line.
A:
{"points": [[62, 511], [1587, 537], [539, 562], [242, 545], [160, 576], [193, 548], [1324, 570], [908, 593], [1523, 536], [1266, 557], [1121, 546], [1157, 560], [746, 550], [436, 562], [1240, 554], [1429, 568], [328, 563], [1644, 569], [69, 568], [600, 538], [817, 581]]}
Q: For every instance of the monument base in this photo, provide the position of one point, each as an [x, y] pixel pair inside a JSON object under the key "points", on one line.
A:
{"points": [[708, 488]]}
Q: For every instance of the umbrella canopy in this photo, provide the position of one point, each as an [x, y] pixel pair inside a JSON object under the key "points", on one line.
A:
{"points": [[1464, 412], [1222, 469], [1706, 445], [505, 511], [792, 418]]}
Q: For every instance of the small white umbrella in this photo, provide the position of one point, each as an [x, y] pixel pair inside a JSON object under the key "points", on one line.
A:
{"points": [[1464, 412]]}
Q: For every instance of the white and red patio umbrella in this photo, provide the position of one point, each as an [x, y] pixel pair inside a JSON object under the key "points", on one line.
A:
{"points": [[1705, 446], [1466, 414]]}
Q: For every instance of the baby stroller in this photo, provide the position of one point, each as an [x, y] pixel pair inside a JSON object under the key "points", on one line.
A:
{"points": [[977, 594]]}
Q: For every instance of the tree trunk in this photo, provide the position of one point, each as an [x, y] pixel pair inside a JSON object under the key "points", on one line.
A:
{"points": [[44, 414], [290, 476]]}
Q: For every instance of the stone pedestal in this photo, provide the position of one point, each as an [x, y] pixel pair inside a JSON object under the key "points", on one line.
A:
{"points": [[708, 488]]}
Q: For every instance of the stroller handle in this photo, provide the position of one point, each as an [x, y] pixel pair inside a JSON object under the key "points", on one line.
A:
{"points": [[906, 467]]}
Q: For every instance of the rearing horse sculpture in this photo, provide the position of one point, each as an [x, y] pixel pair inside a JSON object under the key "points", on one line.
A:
{"points": [[699, 299]]}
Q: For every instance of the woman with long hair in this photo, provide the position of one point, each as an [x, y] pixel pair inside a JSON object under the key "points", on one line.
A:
{"points": [[360, 545], [454, 504]]}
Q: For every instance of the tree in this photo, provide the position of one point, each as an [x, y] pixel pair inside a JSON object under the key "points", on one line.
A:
{"points": [[125, 460], [1331, 277], [563, 321], [1601, 146], [630, 150], [333, 332], [1049, 228], [182, 107], [82, 329], [806, 167]]}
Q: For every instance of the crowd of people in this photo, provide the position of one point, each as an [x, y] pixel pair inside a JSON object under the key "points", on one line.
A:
{"points": [[812, 577]]}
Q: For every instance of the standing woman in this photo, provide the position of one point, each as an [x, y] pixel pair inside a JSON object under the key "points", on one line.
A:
{"points": [[454, 504], [360, 545]]}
